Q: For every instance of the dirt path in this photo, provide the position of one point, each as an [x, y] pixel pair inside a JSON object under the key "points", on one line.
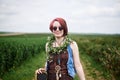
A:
{"points": [[91, 72], [11, 34]]}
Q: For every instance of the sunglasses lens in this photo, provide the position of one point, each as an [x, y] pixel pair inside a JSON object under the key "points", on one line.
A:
{"points": [[60, 28], [55, 28]]}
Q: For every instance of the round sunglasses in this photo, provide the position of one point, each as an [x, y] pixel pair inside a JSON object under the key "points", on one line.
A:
{"points": [[60, 28]]}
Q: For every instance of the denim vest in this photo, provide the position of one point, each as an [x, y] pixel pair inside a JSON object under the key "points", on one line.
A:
{"points": [[70, 63]]}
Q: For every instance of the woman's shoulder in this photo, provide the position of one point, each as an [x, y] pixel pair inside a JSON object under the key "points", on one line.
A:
{"points": [[73, 44]]}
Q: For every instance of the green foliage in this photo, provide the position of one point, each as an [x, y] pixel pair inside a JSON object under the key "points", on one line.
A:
{"points": [[105, 50], [26, 71], [57, 50], [15, 50]]}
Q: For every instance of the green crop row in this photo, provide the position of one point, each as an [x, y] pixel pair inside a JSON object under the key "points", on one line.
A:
{"points": [[104, 50], [13, 51]]}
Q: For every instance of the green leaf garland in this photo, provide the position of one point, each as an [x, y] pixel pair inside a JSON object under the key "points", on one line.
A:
{"points": [[57, 50]]}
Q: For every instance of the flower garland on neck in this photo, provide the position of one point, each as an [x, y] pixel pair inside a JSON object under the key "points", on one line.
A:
{"points": [[57, 50]]}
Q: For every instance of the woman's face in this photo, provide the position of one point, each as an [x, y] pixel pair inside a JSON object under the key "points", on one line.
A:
{"points": [[57, 29]]}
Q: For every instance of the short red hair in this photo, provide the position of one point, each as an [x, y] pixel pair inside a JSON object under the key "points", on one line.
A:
{"points": [[62, 23]]}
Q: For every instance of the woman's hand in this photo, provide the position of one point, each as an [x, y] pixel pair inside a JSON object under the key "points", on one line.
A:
{"points": [[40, 70]]}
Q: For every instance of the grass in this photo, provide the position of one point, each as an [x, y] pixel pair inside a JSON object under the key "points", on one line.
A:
{"points": [[93, 70], [27, 69]]}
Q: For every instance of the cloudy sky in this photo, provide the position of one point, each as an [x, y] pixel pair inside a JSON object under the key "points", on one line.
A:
{"points": [[82, 16]]}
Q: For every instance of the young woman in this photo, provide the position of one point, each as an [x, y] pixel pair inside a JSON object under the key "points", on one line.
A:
{"points": [[63, 54]]}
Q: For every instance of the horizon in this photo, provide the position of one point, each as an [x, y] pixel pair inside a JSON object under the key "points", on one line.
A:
{"points": [[82, 16], [4, 32]]}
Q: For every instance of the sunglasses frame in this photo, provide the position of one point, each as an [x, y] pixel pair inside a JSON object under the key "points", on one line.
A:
{"points": [[59, 28]]}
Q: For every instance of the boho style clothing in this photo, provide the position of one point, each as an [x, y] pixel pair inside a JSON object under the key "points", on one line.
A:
{"points": [[60, 65], [54, 61], [65, 60]]}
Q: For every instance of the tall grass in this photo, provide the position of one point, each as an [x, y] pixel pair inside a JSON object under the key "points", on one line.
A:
{"points": [[104, 49], [101, 51], [27, 70], [16, 49]]}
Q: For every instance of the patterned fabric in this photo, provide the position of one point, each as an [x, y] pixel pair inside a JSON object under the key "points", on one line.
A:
{"points": [[53, 61]]}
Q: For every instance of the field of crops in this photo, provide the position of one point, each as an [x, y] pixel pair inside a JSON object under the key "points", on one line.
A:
{"points": [[16, 49], [104, 49]]}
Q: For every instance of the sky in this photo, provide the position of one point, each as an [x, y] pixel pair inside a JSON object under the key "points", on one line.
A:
{"points": [[82, 16]]}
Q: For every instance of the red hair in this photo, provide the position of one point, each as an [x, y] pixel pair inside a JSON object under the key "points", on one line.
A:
{"points": [[62, 23]]}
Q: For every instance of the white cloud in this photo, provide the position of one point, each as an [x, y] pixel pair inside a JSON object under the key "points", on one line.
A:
{"points": [[81, 15]]}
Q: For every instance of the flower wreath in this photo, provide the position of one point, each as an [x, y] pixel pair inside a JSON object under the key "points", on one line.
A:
{"points": [[57, 50]]}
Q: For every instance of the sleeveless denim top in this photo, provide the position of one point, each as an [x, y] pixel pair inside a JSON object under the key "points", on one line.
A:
{"points": [[70, 63]]}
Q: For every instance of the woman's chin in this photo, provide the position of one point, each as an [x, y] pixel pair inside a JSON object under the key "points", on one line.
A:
{"points": [[58, 35]]}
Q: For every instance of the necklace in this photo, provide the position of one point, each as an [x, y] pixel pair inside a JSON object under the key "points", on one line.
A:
{"points": [[57, 50]]}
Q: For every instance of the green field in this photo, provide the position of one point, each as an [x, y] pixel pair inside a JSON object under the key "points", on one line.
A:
{"points": [[21, 55]]}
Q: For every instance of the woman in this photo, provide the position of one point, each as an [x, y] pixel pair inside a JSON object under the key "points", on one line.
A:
{"points": [[63, 54]]}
